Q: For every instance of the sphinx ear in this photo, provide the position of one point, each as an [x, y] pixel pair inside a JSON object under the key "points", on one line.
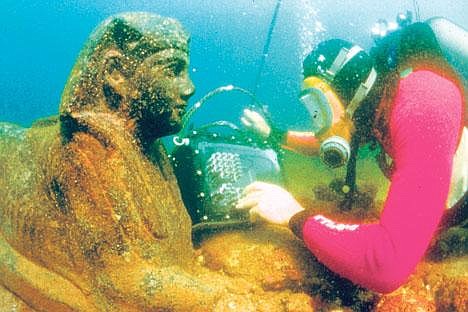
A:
{"points": [[112, 72], [117, 86]]}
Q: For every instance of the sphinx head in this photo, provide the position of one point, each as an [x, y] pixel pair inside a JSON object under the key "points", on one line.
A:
{"points": [[134, 65]]}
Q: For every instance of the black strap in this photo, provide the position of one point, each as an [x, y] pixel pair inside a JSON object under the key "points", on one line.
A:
{"points": [[350, 179]]}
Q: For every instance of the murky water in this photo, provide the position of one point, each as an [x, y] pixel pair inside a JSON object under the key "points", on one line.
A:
{"points": [[251, 51]]}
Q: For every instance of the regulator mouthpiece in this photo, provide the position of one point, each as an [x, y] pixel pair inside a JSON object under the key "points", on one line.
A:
{"points": [[335, 152]]}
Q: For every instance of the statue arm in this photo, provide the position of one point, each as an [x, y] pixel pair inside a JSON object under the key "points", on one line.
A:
{"points": [[42, 289], [143, 267]]}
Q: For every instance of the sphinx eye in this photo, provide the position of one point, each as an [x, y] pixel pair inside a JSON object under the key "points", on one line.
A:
{"points": [[176, 66]]}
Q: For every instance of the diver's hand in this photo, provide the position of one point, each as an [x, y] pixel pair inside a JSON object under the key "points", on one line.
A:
{"points": [[269, 202], [256, 122]]}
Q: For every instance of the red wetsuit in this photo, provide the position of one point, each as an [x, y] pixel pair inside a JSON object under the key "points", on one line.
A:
{"points": [[424, 125]]}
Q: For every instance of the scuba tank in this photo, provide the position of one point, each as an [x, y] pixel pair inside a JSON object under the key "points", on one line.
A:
{"points": [[451, 38], [452, 41]]}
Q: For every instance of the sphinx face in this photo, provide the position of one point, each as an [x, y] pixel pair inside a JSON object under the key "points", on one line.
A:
{"points": [[164, 87]]}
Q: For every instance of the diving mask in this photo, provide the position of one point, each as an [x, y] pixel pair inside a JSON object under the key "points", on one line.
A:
{"points": [[319, 110], [326, 112]]}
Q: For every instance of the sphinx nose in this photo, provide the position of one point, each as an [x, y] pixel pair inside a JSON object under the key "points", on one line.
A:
{"points": [[187, 89]]}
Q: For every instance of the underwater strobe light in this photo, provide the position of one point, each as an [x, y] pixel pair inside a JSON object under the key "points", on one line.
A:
{"points": [[212, 173], [214, 162]]}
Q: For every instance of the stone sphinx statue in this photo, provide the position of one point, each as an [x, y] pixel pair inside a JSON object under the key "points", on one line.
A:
{"points": [[91, 218]]}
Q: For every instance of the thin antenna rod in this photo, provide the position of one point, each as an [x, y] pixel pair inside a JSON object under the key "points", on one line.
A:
{"points": [[416, 10], [266, 47]]}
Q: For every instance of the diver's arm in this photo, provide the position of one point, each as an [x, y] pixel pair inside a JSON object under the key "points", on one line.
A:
{"points": [[424, 128], [302, 142]]}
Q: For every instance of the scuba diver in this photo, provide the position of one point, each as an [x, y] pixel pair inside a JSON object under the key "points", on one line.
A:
{"points": [[407, 97]]}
